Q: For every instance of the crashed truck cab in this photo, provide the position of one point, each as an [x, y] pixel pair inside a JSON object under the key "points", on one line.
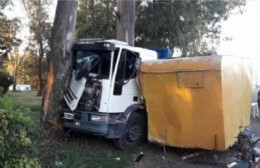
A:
{"points": [[103, 97]]}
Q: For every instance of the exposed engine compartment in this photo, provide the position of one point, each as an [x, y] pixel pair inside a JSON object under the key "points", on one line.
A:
{"points": [[90, 99]]}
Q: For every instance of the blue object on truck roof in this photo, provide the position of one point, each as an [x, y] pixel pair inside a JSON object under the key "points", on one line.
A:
{"points": [[163, 53]]}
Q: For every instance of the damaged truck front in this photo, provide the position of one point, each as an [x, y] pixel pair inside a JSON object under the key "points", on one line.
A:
{"points": [[190, 102], [104, 97]]}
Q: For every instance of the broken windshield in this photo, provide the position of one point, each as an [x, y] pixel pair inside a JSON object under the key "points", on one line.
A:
{"points": [[92, 61]]}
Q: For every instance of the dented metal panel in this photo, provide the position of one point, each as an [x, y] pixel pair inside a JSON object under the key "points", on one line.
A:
{"points": [[188, 101]]}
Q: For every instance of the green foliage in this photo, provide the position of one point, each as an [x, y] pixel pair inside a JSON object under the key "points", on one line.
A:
{"points": [[183, 24], [96, 19], [17, 132], [79, 156], [8, 30], [6, 81], [40, 27], [40, 31]]}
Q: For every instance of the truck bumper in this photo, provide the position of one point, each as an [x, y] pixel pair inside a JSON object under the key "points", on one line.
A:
{"points": [[82, 122]]}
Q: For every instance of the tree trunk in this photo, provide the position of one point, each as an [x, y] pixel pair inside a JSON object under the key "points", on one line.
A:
{"points": [[1, 61], [40, 91], [126, 21], [15, 82], [60, 60], [14, 86], [6, 88]]}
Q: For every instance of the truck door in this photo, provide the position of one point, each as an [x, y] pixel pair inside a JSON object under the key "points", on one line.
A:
{"points": [[124, 92]]}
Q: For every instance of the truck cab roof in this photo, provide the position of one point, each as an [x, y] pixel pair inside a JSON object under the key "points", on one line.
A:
{"points": [[111, 45]]}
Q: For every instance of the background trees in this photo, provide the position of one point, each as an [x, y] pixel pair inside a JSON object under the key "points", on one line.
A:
{"points": [[187, 25], [13, 65], [96, 19], [40, 30], [182, 24], [8, 39]]}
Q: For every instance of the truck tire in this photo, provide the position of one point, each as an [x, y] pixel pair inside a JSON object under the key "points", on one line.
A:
{"points": [[135, 133]]}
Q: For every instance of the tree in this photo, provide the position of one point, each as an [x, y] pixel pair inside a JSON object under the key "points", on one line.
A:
{"points": [[13, 65], [95, 19], [60, 60], [28, 73], [183, 24], [8, 39], [40, 29], [188, 25], [4, 3], [125, 25], [6, 81]]}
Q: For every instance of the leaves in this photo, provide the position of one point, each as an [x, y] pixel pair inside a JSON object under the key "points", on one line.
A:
{"points": [[8, 39], [17, 147], [96, 19], [40, 29], [183, 24], [6, 81]]}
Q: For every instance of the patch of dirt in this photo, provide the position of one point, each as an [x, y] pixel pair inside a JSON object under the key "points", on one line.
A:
{"points": [[153, 155]]}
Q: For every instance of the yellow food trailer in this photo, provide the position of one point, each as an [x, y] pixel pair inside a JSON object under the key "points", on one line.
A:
{"points": [[197, 102]]}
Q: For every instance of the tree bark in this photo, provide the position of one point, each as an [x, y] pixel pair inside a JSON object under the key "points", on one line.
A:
{"points": [[60, 60], [126, 21], [40, 91], [14, 84], [15, 79], [1, 61]]}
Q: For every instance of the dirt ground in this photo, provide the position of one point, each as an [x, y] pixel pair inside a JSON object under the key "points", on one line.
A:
{"points": [[154, 155], [102, 150]]}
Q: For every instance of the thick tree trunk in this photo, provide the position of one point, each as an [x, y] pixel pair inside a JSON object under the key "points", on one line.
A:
{"points": [[60, 60], [126, 21]]}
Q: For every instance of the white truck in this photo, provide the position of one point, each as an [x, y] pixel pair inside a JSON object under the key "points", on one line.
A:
{"points": [[185, 102], [104, 96]]}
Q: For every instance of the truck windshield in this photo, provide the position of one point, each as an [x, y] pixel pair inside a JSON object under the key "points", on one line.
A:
{"points": [[92, 61]]}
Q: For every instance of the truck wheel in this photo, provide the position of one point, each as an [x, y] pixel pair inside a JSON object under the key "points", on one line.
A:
{"points": [[135, 132]]}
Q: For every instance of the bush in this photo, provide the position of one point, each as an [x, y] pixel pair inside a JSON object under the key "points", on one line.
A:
{"points": [[6, 81], [16, 137]]}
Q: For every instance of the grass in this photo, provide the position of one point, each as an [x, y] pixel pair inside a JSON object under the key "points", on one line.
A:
{"points": [[28, 99], [80, 151]]}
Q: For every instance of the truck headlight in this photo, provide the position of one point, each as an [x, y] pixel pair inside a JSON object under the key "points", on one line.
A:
{"points": [[99, 118]]}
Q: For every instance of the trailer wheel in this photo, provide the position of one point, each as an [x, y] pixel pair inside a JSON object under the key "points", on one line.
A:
{"points": [[135, 132]]}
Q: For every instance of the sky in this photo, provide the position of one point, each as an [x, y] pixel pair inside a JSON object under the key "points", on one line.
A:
{"points": [[244, 29], [17, 11]]}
